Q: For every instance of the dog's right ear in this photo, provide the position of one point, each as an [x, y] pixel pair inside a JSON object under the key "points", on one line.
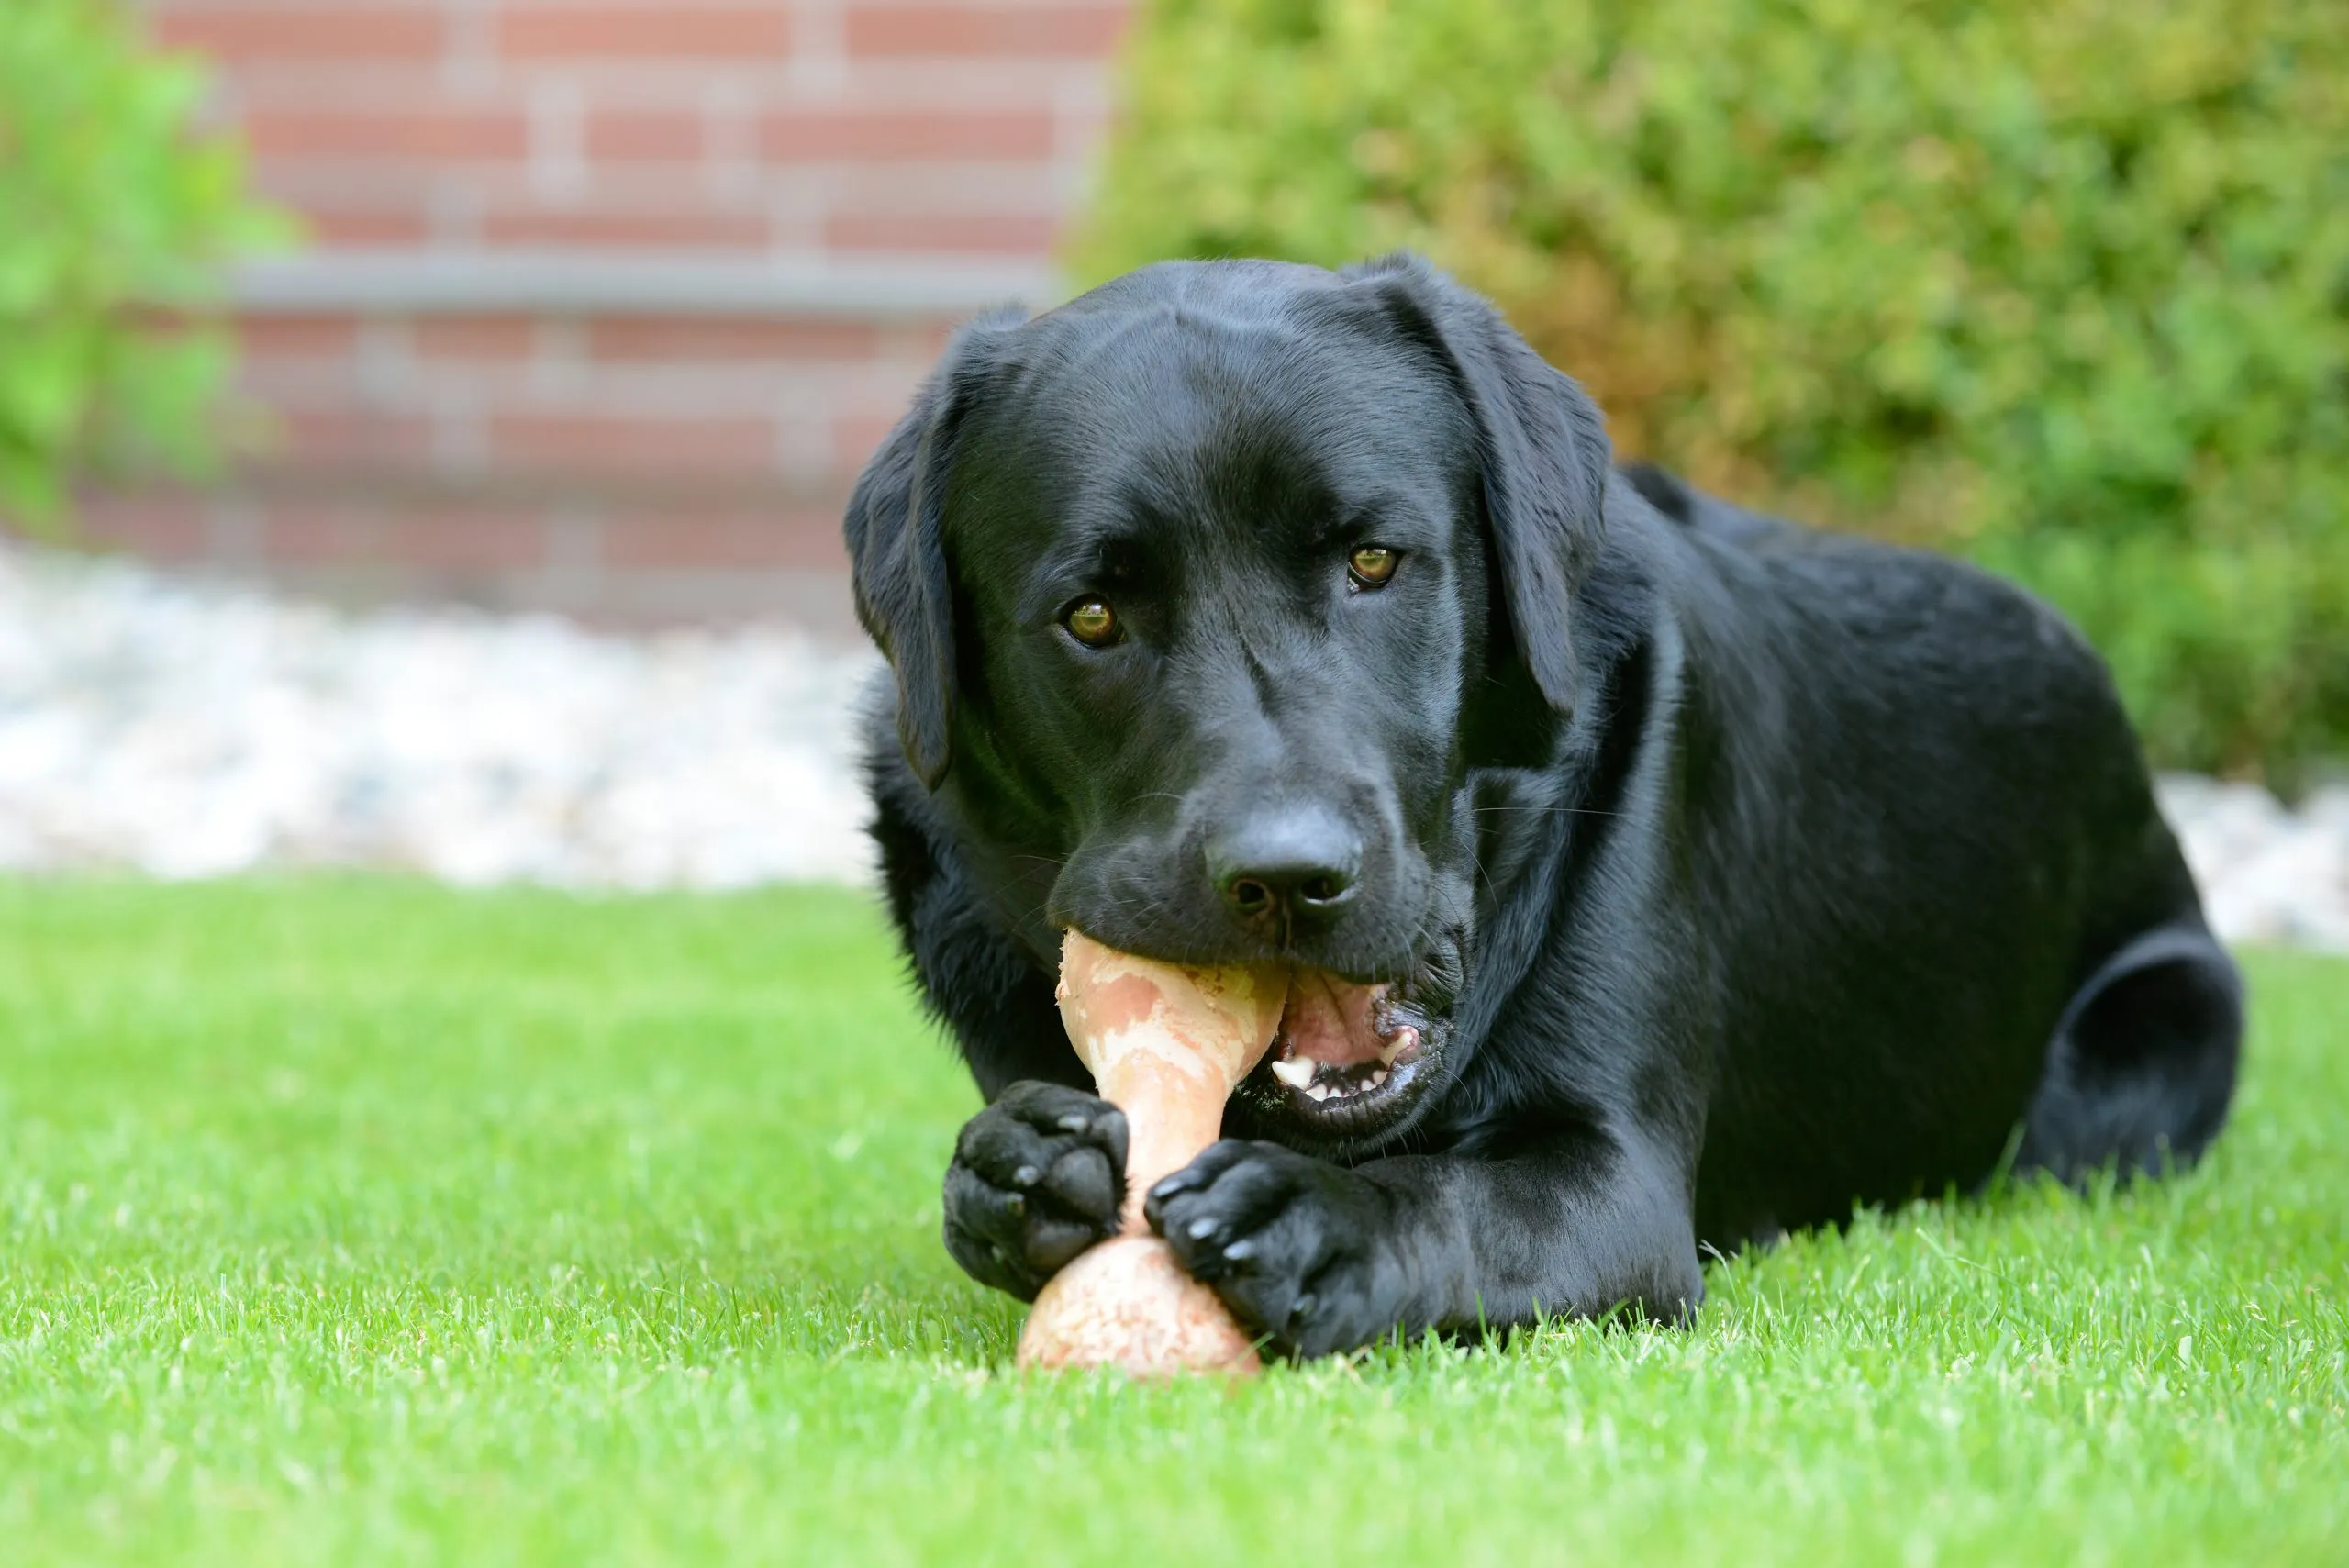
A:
{"points": [[896, 555]]}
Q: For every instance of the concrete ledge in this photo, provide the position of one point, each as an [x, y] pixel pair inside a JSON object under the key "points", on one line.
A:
{"points": [[425, 283]]}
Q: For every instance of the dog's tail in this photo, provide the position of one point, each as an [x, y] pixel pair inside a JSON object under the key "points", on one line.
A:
{"points": [[2142, 1063]]}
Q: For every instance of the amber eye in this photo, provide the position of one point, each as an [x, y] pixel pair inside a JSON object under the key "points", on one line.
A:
{"points": [[1093, 622], [1371, 566]]}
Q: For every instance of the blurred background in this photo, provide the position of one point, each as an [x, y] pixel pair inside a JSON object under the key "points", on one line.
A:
{"points": [[326, 316], [598, 305]]}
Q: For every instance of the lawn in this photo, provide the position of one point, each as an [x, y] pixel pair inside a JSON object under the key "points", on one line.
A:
{"points": [[355, 1221]]}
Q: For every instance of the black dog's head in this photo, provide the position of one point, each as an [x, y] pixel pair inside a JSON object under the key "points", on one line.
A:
{"points": [[1204, 594]]}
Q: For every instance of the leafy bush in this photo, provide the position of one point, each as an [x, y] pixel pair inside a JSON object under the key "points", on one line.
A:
{"points": [[2062, 285], [113, 221]]}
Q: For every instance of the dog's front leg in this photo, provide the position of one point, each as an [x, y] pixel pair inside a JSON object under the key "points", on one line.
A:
{"points": [[1325, 1258]]}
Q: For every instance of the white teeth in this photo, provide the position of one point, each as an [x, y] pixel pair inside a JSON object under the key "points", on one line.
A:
{"points": [[1304, 1074], [1404, 1039]]}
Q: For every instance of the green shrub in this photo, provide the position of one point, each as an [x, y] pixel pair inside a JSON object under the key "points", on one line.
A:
{"points": [[2062, 285], [114, 220]]}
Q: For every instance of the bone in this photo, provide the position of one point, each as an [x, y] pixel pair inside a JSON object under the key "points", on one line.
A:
{"points": [[1166, 1044]]}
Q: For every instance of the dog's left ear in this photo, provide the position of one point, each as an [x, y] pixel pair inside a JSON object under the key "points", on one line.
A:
{"points": [[897, 554], [1542, 447]]}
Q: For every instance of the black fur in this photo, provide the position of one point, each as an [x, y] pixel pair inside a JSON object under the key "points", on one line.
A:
{"points": [[1734, 874]]}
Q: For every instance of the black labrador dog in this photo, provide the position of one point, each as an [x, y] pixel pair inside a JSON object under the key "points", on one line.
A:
{"points": [[1653, 876]]}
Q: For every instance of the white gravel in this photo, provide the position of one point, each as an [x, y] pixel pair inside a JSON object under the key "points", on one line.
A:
{"points": [[179, 730], [2268, 874]]}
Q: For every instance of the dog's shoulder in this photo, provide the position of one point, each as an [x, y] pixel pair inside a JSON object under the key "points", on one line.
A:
{"points": [[970, 974]]}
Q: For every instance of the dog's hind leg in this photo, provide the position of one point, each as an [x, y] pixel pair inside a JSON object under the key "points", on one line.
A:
{"points": [[2142, 1062]]}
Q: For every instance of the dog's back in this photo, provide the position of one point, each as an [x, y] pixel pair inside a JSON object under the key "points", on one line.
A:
{"points": [[1932, 774]]}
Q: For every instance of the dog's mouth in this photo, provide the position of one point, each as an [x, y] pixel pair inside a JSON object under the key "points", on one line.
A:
{"points": [[1348, 1058], [1339, 1040]]}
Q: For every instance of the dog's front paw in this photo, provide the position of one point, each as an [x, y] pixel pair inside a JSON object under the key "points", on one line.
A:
{"points": [[1292, 1244], [1038, 1177]]}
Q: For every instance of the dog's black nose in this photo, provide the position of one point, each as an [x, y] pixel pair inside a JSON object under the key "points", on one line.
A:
{"points": [[1294, 864]]}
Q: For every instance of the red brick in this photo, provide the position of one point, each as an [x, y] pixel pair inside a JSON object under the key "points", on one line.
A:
{"points": [[789, 536], [342, 30], [570, 32], [475, 339], [1087, 32], [605, 226], [440, 539], [925, 342], [349, 438], [675, 339], [1010, 233], [375, 185], [417, 134], [470, 539], [645, 135], [388, 228], [158, 527], [726, 447], [966, 136], [855, 438], [297, 336], [313, 538]]}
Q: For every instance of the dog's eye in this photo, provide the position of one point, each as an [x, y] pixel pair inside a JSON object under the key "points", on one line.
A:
{"points": [[1371, 566], [1093, 622]]}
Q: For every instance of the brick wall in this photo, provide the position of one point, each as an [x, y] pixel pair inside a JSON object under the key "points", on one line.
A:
{"points": [[605, 301]]}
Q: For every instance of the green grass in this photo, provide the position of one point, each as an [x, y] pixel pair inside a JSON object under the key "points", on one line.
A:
{"points": [[355, 1222]]}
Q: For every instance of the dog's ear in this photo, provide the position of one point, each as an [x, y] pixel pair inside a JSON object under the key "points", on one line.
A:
{"points": [[1542, 447], [897, 556]]}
